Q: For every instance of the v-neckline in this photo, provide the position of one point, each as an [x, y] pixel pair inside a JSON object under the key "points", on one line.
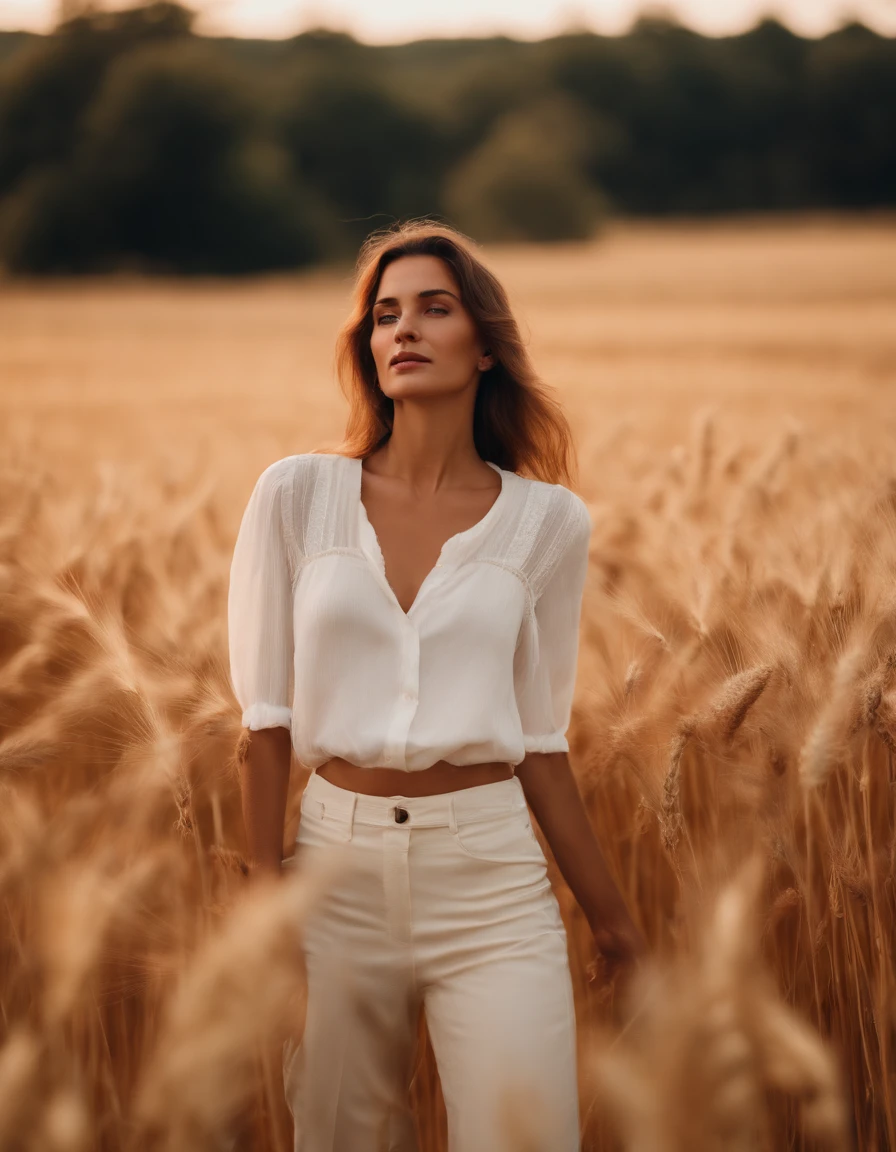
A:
{"points": [[464, 535]]}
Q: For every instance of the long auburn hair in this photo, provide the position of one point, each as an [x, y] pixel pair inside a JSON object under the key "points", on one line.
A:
{"points": [[517, 423]]}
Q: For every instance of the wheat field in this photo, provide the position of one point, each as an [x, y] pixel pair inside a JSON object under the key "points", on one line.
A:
{"points": [[732, 387]]}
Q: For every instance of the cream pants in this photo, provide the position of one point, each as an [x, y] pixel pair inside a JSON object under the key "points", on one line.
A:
{"points": [[451, 909]]}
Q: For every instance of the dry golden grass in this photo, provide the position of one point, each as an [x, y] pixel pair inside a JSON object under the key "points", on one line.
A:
{"points": [[732, 389]]}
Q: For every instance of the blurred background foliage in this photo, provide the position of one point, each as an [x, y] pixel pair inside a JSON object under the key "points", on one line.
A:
{"points": [[129, 142]]}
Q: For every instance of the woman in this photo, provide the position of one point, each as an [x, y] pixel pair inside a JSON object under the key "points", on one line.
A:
{"points": [[404, 614]]}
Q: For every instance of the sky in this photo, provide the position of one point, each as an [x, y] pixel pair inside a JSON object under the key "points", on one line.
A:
{"points": [[402, 20]]}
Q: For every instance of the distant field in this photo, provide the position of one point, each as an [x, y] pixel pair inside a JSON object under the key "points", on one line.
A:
{"points": [[645, 325], [733, 393]]}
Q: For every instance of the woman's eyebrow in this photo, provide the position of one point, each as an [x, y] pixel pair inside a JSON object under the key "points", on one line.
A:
{"points": [[425, 292]]}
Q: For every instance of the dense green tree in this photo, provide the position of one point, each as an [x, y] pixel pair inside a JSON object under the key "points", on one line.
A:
{"points": [[184, 170], [372, 157], [526, 180], [47, 85], [851, 97]]}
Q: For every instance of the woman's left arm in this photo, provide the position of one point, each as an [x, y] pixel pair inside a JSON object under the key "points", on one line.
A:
{"points": [[553, 795], [544, 697]]}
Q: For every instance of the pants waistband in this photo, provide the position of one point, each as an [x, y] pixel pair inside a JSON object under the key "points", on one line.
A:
{"points": [[440, 810]]}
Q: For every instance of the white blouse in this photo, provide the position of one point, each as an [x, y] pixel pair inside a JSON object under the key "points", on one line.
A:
{"points": [[481, 668]]}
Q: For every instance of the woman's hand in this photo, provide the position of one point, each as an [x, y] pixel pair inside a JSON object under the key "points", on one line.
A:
{"points": [[619, 945]]}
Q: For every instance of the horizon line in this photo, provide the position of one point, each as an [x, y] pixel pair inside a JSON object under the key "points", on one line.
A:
{"points": [[518, 36]]}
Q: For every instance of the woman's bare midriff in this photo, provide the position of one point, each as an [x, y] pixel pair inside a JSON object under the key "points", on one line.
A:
{"points": [[439, 777]]}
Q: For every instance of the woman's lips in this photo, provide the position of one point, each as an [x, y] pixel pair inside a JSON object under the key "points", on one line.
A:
{"points": [[403, 365]]}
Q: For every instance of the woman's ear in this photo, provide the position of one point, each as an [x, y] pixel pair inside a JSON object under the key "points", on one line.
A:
{"points": [[486, 360]]}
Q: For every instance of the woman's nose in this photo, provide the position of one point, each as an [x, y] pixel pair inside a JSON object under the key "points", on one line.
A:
{"points": [[404, 330]]}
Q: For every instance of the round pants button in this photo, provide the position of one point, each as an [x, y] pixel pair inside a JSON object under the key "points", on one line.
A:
{"points": [[401, 814]]}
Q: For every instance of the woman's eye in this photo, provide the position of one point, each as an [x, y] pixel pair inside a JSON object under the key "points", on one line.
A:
{"points": [[383, 316]]}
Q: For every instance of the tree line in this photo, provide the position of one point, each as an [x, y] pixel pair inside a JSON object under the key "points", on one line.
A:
{"points": [[128, 141]]}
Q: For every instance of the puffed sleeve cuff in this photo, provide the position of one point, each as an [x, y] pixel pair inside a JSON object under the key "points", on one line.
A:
{"points": [[554, 743], [258, 716]]}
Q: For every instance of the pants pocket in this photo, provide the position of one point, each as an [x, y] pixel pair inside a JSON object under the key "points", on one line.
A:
{"points": [[319, 827], [500, 838]]}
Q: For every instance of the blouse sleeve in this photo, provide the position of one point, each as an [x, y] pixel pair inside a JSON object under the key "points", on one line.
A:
{"points": [[259, 605], [545, 699]]}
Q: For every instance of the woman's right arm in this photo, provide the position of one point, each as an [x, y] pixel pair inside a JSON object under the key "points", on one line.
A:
{"points": [[264, 760], [260, 630]]}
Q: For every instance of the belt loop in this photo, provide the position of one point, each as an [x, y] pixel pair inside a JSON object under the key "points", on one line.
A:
{"points": [[452, 818], [353, 804]]}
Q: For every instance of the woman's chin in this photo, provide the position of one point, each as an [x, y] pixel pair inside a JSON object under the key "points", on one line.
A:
{"points": [[418, 390]]}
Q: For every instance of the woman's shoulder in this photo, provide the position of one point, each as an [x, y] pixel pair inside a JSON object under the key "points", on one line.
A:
{"points": [[293, 468], [563, 507]]}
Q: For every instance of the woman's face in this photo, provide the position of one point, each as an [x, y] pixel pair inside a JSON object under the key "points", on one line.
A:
{"points": [[424, 341]]}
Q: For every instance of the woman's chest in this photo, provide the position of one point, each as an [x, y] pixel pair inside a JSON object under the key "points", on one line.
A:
{"points": [[343, 597], [410, 539]]}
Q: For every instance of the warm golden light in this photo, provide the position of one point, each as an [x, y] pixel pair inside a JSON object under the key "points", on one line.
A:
{"points": [[406, 20]]}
